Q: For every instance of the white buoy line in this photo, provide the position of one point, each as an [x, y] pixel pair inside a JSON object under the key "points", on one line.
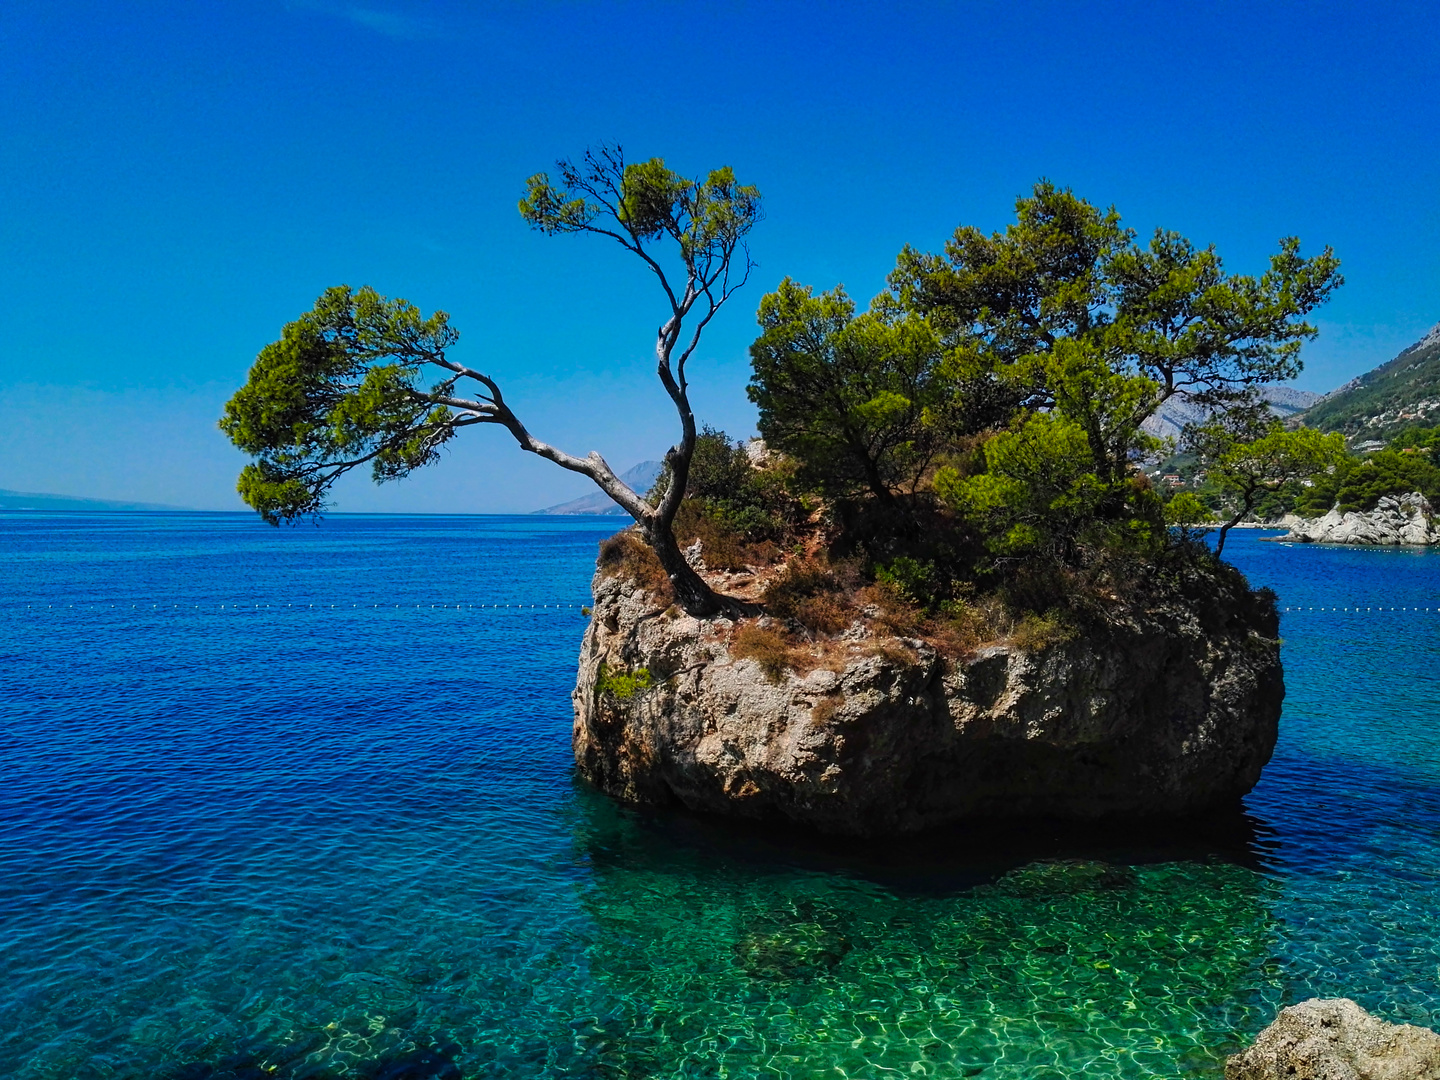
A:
{"points": [[304, 607], [1361, 611], [1295, 609]]}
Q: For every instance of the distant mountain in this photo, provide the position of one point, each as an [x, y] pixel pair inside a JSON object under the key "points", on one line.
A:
{"points": [[1396, 395], [642, 477], [1167, 423], [35, 500]]}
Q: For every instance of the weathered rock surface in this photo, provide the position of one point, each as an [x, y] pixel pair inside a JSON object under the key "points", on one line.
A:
{"points": [[1164, 712], [1396, 520], [1335, 1039]]}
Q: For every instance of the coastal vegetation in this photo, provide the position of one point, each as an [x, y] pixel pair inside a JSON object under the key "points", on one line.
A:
{"points": [[1333, 478], [1358, 483], [345, 385], [966, 452], [962, 460]]}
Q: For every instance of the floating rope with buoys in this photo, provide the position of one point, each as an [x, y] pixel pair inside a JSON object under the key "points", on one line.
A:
{"points": [[549, 607]]}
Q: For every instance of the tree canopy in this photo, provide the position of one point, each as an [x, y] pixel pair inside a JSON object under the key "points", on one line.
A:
{"points": [[1009, 378], [856, 399], [1249, 468], [365, 380]]}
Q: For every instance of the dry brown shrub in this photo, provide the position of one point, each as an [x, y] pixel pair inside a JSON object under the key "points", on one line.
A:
{"points": [[952, 637], [626, 555], [897, 615], [816, 594], [962, 626], [893, 652], [824, 614], [767, 646], [1035, 633], [825, 708]]}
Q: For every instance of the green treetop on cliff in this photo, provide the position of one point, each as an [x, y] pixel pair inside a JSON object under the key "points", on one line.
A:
{"points": [[1006, 381]]}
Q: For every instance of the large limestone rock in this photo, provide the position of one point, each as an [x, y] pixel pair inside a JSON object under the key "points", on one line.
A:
{"points": [[1335, 1039], [1165, 712], [1396, 520]]}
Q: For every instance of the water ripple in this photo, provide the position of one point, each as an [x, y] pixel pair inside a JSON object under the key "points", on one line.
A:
{"points": [[346, 842]]}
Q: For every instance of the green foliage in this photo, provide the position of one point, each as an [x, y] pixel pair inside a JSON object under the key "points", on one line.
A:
{"points": [[1038, 491], [622, 685], [1036, 632], [854, 399], [1010, 378], [1067, 276], [720, 469], [341, 388], [736, 510], [1186, 509], [909, 579], [1320, 496], [1420, 439], [1390, 472], [1338, 481], [1009, 296], [707, 218], [1248, 462]]}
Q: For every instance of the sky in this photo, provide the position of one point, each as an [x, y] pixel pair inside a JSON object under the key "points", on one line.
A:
{"points": [[179, 180]]}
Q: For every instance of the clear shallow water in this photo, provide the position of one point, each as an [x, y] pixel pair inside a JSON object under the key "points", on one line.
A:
{"points": [[345, 841]]}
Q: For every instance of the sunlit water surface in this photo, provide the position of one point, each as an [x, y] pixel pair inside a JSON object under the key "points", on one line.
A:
{"points": [[344, 840]]}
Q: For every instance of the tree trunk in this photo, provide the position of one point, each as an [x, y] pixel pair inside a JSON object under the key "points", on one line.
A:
{"points": [[1220, 540], [1247, 503], [691, 592]]}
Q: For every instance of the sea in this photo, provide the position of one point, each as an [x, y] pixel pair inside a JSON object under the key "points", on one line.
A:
{"points": [[300, 803]]}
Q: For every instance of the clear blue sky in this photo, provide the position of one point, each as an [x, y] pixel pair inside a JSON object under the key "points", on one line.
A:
{"points": [[177, 180]]}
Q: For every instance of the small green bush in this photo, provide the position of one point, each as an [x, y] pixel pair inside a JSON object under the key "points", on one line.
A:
{"points": [[909, 579], [1038, 632], [623, 685]]}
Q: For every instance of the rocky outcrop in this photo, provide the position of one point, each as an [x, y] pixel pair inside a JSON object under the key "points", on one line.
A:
{"points": [[1396, 520], [1170, 710], [1335, 1039]]}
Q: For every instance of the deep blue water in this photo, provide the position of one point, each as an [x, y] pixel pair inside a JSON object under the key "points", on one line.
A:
{"points": [[272, 804]]}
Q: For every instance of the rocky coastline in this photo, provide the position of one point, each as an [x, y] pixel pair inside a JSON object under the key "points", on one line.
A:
{"points": [[1335, 1039], [1169, 710], [1397, 520]]}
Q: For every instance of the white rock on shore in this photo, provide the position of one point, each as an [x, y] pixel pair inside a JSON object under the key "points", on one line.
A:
{"points": [[1396, 520], [1335, 1039]]}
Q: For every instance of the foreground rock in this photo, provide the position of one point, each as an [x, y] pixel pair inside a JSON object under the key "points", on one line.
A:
{"points": [[1165, 711], [1396, 520], [1335, 1039]]}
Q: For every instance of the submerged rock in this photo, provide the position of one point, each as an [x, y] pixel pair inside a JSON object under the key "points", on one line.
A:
{"points": [[1335, 1039], [1396, 520], [1170, 710]]}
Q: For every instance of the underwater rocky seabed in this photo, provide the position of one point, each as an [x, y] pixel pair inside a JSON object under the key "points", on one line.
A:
{"points": [[316, 842]]}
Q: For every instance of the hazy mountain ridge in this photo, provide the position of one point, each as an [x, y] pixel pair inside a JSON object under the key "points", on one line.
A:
{"points": [[39, 500], [1170, 420], [1401, 393], [640, 477]]}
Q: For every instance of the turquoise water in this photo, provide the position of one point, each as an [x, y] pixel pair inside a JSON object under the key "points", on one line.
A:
{"points": [[344, 840]]}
